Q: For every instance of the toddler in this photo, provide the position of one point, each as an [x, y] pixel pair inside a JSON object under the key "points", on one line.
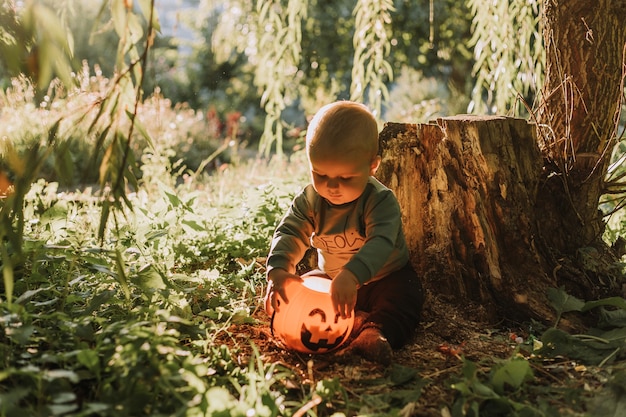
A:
{"points": [[354, 223]]}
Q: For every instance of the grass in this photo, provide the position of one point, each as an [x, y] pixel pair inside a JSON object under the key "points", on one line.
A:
{"points": [[161, 317], [127, 325]]}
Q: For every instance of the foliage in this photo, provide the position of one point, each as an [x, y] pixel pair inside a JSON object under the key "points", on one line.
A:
{"points": [[106, 114], [370, 69], [417, 99], [509, 56], [497, 394], [510, 387], [218, 75], [614, 200], [421, 35], [187, 136], [33, 41], [117, 104], [601, 345], [279, 44], [224, 67], [129, 325]]}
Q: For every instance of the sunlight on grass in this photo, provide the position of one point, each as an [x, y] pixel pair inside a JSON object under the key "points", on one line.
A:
{"points": [[159, 315], [151, 319], [141, 312]]}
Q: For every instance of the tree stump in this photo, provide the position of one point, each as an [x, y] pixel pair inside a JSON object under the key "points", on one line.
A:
{"points": [[467, 186]]}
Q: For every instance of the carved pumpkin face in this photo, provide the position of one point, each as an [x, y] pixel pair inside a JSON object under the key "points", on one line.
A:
{"points": [[308, 323]]}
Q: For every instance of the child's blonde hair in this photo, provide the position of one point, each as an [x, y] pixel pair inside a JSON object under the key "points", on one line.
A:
{"points": [[340, 129]]}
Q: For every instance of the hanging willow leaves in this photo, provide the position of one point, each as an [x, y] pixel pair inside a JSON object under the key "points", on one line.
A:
{"points": [[509, 54], [280, 48], [117, 169], [370, 70], [34, 42], [36, 39]]}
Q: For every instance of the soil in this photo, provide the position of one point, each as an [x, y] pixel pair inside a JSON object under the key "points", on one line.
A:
{"points": [[446, 336]]}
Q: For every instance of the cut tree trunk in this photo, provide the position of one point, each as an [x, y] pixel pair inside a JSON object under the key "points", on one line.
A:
{"points": [[467, 186], [495, 210]]}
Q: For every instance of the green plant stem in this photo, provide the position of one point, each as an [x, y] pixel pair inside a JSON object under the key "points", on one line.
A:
{"points": [[605, 360], [585, 337]]}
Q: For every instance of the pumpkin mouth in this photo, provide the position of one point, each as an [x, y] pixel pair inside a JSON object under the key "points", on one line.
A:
{"points": [[321, 343]]}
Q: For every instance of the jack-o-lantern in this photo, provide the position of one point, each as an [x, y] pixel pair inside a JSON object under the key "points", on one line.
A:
{"points": [[308, 322]]}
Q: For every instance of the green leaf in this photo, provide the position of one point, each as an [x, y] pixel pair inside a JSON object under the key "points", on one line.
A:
{"points": [[483, 390], [62, 409], [611, 301], [89, 359], [469, 369], [53, 374], [63, 162], [101, 300], [590, 350], [63, 397], [7, 274], [21, 335], [121, 274], [220, 401], [148, 278], [563, 302], [512, 374], [612, 318], [193, 225], [96, 408], [618, 334], [141, 128], [134, 28], [29, 294], [147, 9], [405, 396], [118, 15], [463, 388], [104, 217], [173, 198], [401, 374], [9, 399]]}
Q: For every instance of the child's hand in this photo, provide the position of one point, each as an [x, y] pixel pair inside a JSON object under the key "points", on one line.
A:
{"points": [[276, 285], [343, 291]]}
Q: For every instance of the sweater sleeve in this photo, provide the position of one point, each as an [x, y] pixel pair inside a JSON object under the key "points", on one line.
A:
{"points": [[382, 230], [292, 236]]}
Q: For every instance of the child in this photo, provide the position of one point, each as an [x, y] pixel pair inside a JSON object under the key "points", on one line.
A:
{"points": [[354, 222]]}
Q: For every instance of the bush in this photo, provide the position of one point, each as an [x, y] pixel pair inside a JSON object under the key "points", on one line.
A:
{"points": [[185, 137]]}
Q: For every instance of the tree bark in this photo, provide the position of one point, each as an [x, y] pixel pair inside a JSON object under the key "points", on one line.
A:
{"points": [[467, 187], [585, 43]]}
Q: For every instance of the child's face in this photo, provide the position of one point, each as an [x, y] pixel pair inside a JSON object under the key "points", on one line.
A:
{"points": [[342, 181]]}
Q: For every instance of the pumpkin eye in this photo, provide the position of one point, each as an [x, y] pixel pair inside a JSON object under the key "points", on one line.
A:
{"points": [[337, 318], [321, 314]]}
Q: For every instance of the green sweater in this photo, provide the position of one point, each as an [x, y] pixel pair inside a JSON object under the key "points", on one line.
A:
{"points": [[364, 236]]}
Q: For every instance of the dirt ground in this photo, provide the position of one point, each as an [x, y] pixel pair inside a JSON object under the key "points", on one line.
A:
{"points": [[445, 336]]}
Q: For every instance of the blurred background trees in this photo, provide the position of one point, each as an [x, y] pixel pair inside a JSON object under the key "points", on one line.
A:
{"points": [[209, 54]]}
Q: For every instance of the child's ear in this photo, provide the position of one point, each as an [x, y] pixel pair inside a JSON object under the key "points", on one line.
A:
{"points": [[375, 164]]}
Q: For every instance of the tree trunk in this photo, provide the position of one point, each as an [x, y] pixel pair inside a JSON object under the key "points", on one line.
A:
{"points": [[467, 187], [585, 42], [496, 211]]}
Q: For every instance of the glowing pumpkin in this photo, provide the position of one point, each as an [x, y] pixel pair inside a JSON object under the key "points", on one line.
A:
{"points": [[308, 322]]}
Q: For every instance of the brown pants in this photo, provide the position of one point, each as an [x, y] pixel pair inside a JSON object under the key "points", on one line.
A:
{"points": [[394, 304]]}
